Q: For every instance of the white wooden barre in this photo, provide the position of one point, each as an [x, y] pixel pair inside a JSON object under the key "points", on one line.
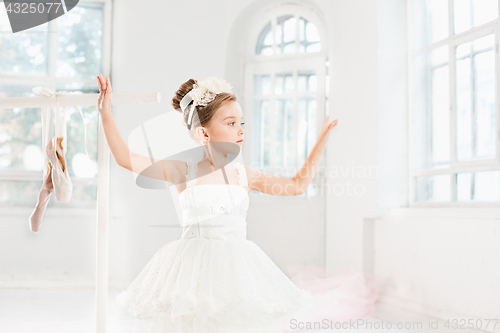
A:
{"points": [[80, 100]]}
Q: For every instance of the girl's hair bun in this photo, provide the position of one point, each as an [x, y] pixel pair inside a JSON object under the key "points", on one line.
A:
{"points": [[179, 95]]}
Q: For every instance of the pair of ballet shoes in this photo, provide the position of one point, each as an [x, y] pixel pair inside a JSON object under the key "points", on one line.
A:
{"points": [[57, 180]]}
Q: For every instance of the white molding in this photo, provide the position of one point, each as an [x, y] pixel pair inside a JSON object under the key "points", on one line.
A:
{"points": [[460, 167], [396, 310], [401, 309]]}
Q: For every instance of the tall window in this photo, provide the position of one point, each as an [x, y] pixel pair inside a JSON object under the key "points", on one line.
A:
{"points": [[64, 55], [287, 81], [454, 102]]}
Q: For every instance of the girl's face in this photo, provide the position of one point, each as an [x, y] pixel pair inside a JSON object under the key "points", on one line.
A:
{"points": [[226, 125]]}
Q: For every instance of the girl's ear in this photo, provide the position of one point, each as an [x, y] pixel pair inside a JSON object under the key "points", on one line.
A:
{"points": [[202, 134]]}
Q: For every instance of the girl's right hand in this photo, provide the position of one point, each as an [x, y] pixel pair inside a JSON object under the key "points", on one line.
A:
{"points": [[105, 94]]}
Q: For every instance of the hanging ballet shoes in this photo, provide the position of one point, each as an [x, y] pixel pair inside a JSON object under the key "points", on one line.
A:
{"points": [[57, 180], [63, 187], [43, 199]]}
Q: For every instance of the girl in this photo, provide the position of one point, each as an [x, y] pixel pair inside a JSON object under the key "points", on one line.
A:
{"points": [[212, 280]]}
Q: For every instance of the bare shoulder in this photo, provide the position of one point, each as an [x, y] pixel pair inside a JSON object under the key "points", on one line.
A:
{"points": [[175, 170]]}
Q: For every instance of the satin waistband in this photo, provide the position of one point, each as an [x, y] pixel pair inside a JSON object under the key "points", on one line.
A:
{"points": [[189, 215], [211, 229]]}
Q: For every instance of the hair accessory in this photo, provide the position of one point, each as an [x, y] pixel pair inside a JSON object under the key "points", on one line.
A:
{"points": [[203, 93]]}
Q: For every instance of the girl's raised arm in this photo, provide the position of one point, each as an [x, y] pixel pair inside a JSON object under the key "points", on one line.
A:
{"points": [[297, 185], [167, 170]]}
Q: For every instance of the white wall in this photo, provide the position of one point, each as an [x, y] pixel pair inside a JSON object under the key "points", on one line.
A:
{"points": [[440, 262], [393, 106], [62, 254]]}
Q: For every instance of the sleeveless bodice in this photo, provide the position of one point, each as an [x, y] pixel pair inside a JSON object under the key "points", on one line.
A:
{"points": [[214, 211]]}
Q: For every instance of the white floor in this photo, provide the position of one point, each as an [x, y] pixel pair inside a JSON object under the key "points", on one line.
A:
{"points": [[73, 311]]}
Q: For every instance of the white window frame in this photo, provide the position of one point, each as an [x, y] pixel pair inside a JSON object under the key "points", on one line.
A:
{"points": [[453, 40], [261, 64], [50, 82]]}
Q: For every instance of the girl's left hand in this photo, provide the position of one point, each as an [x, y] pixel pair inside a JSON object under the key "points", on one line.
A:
{"points": [[324, 132]]}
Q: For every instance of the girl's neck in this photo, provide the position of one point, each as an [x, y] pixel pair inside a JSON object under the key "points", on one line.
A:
{"points": [[214, 157]]}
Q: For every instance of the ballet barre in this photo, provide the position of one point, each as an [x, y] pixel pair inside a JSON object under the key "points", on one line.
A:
{"points": [[64, 99]]}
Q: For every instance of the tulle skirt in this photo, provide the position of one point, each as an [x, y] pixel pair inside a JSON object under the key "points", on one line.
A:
{"points": [[212, 286], [337, 297]]}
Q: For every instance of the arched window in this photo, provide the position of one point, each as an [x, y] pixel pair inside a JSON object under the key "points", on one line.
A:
{"points": [[287, 82], [291, 33]]}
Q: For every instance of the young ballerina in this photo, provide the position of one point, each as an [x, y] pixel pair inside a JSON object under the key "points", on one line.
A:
{"points": [[212, 280]]}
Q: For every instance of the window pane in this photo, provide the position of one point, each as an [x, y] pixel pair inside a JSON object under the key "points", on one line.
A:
{"points": [[464, 110], [431, 105], [267, 51], [78, 163], [283, 83], [308, 37], [472, 13], [262, 84], [433, 188], [285, 34], [306, 128], [306, 81], [476, 99], [314, 47], [76, 86], [283, 139], [431, 21], [19, 192], [312, 33], [478, 186], [312, 190], [485, 103], [265, 41], [24, 53], [261, 133], [20, 133], [79, 42]]}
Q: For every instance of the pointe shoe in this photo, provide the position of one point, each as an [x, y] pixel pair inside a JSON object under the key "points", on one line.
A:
{"points": [[62, 184], [43, 199]]}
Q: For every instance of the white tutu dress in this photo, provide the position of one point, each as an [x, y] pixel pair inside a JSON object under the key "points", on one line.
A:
{"points": [[213, 279]]}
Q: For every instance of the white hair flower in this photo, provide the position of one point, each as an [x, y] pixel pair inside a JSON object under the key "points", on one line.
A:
{"points": [[206, 90]]}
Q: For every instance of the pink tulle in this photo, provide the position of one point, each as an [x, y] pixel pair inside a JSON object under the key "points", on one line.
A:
{"points": [[336, 297]]}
